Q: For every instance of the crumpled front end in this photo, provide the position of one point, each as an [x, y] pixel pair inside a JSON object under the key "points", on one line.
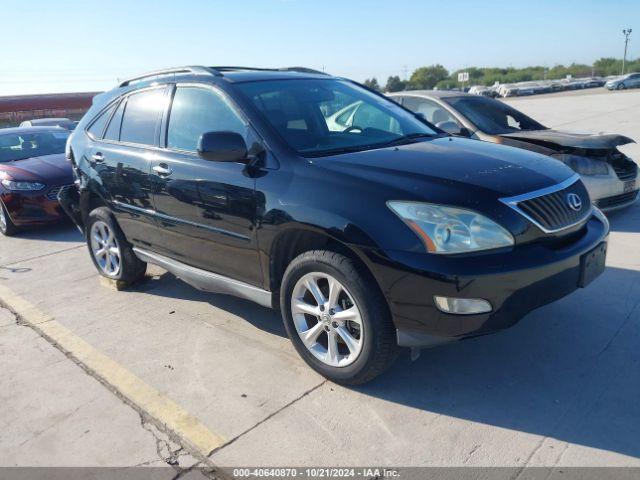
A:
{"points": [[610, 176]]}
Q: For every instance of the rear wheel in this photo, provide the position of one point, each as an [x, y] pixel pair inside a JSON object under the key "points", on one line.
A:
{"points": [[336, 318], [111, 253], [7, 227]]}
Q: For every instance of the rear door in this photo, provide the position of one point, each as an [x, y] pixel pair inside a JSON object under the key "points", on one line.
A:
{"points": [[206, 210], [123, 160]]}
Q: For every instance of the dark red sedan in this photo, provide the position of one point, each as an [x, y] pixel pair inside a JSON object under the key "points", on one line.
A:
{"points": [[33, 169]]}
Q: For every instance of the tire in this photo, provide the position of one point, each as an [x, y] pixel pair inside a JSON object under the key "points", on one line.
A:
{"points": [[365, 338], [118, 262], [7, 227], [621, 86]]}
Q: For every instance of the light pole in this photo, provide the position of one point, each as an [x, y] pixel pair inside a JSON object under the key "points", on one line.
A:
{"points": [[626, 34]]}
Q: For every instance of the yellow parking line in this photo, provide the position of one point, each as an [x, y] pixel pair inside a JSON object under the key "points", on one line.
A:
{"points": [[125, 383]]}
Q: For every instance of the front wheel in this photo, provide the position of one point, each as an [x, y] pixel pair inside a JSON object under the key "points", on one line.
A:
{"points": [[111, 253], [621, 86], [337, 318], [7, 227]]}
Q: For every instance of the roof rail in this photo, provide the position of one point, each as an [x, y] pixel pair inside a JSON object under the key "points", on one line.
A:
{"points": [[221, 69], [302, 70], [231, 68], [172, 71]]}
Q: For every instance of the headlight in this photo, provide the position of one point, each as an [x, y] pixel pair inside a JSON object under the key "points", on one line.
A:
{"points": [[584, 165], [451, 230], [22, 186]]}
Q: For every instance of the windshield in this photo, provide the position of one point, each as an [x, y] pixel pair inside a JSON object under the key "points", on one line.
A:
{"points": [[320, 117], [492, 116], [18, 146]]}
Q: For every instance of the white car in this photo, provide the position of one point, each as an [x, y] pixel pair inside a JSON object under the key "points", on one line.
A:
{"points": [[630, 80], [50, 122]]}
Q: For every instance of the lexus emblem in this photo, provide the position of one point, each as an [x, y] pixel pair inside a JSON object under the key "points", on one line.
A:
{"points": [[574, 201]]}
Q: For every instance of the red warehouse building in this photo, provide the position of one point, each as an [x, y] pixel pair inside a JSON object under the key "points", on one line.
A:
{"points": [[16, 109]]}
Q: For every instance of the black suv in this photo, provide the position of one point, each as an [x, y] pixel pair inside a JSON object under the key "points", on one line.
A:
{"points": [[368, 227]]}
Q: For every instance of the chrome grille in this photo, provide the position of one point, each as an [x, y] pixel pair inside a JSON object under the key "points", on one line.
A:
{"points": [[617, 200], [52, 194], [550, 209]]}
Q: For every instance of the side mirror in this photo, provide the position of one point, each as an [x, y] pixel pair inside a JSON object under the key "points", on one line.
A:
{"points": [[222, 147]]}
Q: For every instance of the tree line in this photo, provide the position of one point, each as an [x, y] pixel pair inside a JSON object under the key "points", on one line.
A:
{"points": [[426, 78]]}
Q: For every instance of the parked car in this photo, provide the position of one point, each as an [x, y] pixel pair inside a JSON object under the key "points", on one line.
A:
{"points": [[508, 90], [609, 175], [630, 80], [388, 232], [33, 169], [483, 91], [50, 122], [593, 82]]}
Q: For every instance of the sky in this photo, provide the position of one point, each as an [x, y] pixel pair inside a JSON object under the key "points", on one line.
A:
{"points": [[69, 45]]}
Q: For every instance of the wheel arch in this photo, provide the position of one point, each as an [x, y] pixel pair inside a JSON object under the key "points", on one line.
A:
{"points": [[89, 201], [297, 240]]}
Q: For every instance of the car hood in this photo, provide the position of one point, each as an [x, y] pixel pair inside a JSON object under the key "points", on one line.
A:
{"points": [[46, 169], [551, 138], [426, 167]]}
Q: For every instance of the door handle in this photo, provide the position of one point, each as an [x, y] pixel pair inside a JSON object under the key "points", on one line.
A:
{"points": [[162, 170], [98, 157]]}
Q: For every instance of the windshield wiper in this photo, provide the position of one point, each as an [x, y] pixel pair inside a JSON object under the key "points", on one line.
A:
{"points": [[359, 148], [337, 151], [404, 139]]}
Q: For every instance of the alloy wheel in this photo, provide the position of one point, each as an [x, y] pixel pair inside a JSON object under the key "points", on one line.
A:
{"points": [[327, 319], [105, 248]]}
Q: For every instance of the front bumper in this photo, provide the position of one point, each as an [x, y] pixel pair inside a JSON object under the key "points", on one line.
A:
{"points": [[32, 208], [608, 193], [514, 281]]}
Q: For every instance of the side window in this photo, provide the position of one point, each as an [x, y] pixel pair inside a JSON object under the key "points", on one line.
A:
{"points": [[195, 111], [141, 117], [97, 127], [433, 112], [113, 131]]}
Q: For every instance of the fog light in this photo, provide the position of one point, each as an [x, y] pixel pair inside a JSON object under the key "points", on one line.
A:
{"points": [[462, 306]]}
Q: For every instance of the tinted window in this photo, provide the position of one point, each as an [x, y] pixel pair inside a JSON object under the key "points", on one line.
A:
{"points": [[97, 127], [492, 116], [18, 146], [141, 117], [315, 116], [113, 132], [198, 110]]}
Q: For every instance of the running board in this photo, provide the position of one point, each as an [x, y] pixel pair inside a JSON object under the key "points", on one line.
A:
{"points": [[207, 281]]}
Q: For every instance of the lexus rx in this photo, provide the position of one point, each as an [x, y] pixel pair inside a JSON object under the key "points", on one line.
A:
{"points": [[381, 233]]}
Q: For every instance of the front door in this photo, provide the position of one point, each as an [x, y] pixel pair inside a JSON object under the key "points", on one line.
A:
{"points": [[206, 210]]}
